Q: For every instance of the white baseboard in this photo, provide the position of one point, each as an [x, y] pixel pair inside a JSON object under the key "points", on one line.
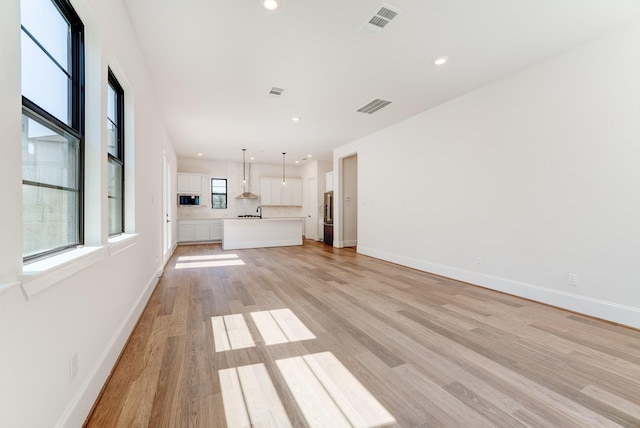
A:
{"points": [[82, 403], [350, 243], [614, 312]]}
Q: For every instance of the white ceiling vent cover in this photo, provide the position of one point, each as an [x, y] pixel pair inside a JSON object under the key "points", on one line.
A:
{"points": [[374, 106], [383, 15], [276, 92]]}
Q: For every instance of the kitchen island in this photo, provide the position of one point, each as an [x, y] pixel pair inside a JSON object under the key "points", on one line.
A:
{"points": [[260, 233]]}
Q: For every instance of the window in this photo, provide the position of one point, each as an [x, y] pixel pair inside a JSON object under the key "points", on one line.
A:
{"points": [[115, 153], [52, 127], [218, 193]]}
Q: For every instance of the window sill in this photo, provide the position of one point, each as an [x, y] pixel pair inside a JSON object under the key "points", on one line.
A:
{"points": [[40, 275], [120, 243]]}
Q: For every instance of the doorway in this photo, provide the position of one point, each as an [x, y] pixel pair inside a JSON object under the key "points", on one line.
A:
{"points": [[166, 209], [350, 201], [311, 208]]}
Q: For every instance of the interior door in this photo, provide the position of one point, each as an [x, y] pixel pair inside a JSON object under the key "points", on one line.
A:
{"points": [[311, 208], [166, 208]]}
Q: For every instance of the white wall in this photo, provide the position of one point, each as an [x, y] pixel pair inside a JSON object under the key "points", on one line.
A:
{"points": [[536, 174], [91, 312]]}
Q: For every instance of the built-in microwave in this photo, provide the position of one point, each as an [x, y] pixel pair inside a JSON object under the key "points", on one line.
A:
{"points": [[188, 200]]}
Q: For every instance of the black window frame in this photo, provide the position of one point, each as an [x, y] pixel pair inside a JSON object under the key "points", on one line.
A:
{"points": [[119, 91], [76, 104], [226, 194]]}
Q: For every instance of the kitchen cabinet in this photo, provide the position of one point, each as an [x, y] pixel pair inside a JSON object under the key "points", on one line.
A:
{"points": [[215, 230], [328, 181], [189, 183], [205, 196], [186, 232], [272, 192], [195, 184], [199, 230]]}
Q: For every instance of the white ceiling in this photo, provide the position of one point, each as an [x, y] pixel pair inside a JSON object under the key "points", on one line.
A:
{"points": [[213, 62]]}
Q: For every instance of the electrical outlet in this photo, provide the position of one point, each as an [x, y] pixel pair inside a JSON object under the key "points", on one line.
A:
{"points": [[478, 261], [73, 366], [572, 279]]}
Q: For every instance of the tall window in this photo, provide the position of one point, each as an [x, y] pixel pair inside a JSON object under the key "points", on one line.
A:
{"points": [[52, 127], [115, 153], [218, 193]]}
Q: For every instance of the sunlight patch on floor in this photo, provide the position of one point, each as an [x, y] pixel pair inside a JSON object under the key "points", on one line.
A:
{"points": [[231, 332], [250, 399], [207, 257], [212, 260], [280, 326], [329, 395]]}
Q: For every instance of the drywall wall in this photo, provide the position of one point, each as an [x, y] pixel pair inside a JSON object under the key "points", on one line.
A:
{"points": [[91, 312], [518, 184]]}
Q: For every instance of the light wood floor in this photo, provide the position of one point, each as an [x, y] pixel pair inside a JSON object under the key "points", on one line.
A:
{"points": [[433, 352]]}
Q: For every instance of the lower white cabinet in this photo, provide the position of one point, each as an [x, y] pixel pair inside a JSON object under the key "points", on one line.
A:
{"points": [[199, 230]]}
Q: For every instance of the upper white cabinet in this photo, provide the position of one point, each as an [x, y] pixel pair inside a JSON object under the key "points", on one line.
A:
{"points": [[195, 184], [272, 192], [189, 183], [292, 193], [205, 196], [328, 181]]}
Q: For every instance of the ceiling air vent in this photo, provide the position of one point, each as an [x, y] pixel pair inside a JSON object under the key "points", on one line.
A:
{"points": [[383, 15], [276, 91], [374, 106]]}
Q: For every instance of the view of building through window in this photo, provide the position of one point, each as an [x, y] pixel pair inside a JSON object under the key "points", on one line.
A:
{"points": [[51, 127], [115, 153], [218, 193]]}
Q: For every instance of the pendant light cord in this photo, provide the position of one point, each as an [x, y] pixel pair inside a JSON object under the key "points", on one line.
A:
{"points": [[284, 181]]}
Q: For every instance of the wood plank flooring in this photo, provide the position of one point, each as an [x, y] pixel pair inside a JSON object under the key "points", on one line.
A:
{"points": [[317, 336]]}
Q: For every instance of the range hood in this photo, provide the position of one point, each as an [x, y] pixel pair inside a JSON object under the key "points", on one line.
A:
{"points": [[245, 194]]}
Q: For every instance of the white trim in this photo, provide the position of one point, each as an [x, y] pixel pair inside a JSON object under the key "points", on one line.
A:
{"points": [[81, 404], [120, 243], [42, 274], [350, 243], [610, 311]]}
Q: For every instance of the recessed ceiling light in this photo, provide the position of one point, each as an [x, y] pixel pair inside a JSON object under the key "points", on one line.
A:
{"points": [[295, 119], [200, 154], [270, 4], [309, 156], [297, 161], [251, 158], [440, 60]]}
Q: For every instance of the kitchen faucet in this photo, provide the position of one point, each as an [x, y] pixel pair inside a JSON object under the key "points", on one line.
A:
{"points": [[259, 209]]}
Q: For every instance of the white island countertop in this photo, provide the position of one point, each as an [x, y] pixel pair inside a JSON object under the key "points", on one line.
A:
{"points": [[260, 233]]}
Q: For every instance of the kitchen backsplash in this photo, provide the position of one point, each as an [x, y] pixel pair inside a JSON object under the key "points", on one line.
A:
{"points": [[240, 207]]}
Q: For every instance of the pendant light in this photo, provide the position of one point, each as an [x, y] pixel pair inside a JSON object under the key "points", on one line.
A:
{"points": [[244, 168], [284, 181]]}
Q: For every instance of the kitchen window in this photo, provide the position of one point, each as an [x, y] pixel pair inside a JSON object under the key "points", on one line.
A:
{"points": [[218, 193], [52, 127], [115, 154]]}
